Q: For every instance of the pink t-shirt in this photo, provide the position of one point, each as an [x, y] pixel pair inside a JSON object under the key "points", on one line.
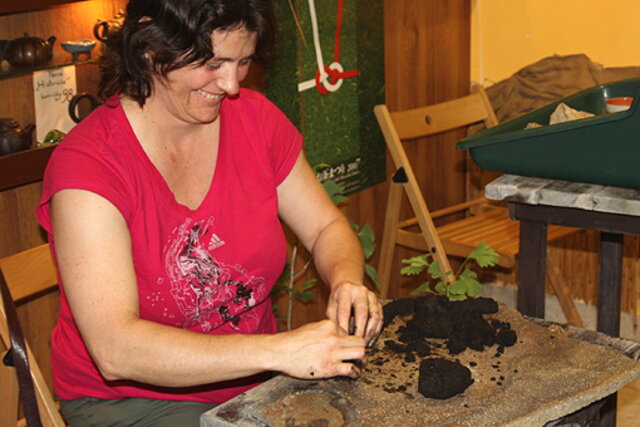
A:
{"points": [[210, 270]]}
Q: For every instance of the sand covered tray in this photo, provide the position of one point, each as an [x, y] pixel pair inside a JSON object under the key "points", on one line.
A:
{"points": [[510, 370]]}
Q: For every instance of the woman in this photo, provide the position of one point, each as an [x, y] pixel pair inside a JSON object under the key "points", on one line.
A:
{"points": [[163, 209]]}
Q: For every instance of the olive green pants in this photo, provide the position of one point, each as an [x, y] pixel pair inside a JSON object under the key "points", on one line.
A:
{"points": [[132, 412]]}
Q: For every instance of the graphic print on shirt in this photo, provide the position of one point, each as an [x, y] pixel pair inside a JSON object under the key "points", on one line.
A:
{"points": [[207, 291]]}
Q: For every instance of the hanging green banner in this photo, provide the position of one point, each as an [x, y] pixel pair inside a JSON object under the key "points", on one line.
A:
{"points": [[327, 76]]}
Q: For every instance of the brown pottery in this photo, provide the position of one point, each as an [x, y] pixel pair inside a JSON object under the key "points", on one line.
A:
{"points": [[30, 51], [12, 138]]}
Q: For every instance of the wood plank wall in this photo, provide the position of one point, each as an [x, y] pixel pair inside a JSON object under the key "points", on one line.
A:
{"points": [[19, 229]]}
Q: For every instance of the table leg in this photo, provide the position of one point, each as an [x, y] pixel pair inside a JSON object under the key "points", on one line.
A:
{"points": [[608, 411], [609, 291], [532, 266], [611, 251]]}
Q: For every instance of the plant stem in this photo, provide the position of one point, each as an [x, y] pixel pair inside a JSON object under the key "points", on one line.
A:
{"points": [[292, 281], [460, 268], [304, 270]]}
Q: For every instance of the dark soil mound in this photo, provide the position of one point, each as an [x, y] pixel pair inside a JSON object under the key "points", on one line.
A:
{"points": [[441, 378], [462, 324]]}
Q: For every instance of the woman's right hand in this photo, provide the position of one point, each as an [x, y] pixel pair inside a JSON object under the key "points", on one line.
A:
{"points": [[319, 350]]}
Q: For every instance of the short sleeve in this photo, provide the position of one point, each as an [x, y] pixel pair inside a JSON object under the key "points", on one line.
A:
{"points": [[286, 145], [267, 123], [80, 164]]}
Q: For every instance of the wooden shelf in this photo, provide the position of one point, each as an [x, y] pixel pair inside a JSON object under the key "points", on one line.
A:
{"points": [[9, 70], [29, 5], [24, 167]]}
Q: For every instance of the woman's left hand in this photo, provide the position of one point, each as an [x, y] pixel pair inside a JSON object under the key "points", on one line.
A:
{"points": [[366, 307]]}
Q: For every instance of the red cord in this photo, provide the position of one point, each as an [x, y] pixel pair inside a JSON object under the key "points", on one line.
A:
{"points": [[335, 75]]}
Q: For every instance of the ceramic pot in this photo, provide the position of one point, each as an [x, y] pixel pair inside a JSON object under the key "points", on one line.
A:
{"points": [[73, 105], [12, 138], [30, 51], [102, 29]]}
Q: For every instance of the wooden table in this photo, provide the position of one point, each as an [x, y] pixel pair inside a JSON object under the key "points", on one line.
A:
{"points": [[536, 203], [518, 402]]}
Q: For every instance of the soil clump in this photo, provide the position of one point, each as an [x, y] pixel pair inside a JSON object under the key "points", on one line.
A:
{"points": [[457, 325]]}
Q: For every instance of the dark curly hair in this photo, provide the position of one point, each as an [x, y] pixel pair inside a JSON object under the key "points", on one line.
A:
{"points": [[158, 36]]}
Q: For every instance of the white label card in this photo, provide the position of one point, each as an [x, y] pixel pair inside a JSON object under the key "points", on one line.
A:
{"points": [[53, 90]]}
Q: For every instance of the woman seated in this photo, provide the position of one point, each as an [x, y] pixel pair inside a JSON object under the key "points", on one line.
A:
{"points": [[163, 210]]}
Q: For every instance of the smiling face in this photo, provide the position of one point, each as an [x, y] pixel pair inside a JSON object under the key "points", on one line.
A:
{"points": [[193, 94]]}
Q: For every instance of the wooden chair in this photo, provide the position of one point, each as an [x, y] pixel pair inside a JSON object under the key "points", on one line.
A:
{"points": [[458, 238], [27, 273]]}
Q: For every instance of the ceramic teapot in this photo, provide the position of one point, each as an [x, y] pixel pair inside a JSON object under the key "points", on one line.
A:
{"points": [[12, 138], [75, 101], [30, 51], [102, 28]]}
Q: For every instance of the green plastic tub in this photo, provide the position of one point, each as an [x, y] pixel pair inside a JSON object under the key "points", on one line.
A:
{"points": [[604, 149]]}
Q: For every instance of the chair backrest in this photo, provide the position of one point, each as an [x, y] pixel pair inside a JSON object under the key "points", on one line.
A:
{"points": [[26, 274], [436, 118], [445, 116], [408, 125]]}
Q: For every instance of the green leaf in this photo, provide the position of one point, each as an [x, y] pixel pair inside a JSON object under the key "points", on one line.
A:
{"points": [[305, 296], [278, 314], [434, 270], [334, 191], [410, 270], [420, 289], [309, 284], [441, 288], [468, 274], [454, 297], [368, 240], [415, 265], [484, 255], [277, 290], [338, 198], [458, 287], [372, 274], [472, 286], [319, 166]]}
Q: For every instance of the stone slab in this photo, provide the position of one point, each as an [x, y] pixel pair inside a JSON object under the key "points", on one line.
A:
{"points": [[540, 191], [552, 371]]}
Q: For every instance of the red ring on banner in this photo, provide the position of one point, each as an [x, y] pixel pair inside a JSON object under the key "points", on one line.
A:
{"points": [[335, 75], [323, 90]]}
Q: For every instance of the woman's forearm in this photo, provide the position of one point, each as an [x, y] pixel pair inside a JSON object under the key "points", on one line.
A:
{"points": [[338, 255], [156, 354]]}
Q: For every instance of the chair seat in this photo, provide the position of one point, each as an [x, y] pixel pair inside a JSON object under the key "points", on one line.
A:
{"points": [[494, 227]]}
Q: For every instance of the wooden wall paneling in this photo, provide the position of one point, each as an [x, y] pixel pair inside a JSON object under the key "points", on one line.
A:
{"points": [[7, 7], [19, 229], [427, 61], [38, 317], [577, 256], [17, 99], [630, 282]]}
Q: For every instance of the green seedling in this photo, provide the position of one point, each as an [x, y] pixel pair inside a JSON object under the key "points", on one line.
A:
{"points": [[465, 284]]}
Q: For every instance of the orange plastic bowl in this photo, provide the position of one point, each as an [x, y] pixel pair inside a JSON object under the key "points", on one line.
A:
{"points": [[622, 103]]}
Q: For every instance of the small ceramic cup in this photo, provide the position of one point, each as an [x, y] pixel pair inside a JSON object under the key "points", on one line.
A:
{"points": [[615, 105]]}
